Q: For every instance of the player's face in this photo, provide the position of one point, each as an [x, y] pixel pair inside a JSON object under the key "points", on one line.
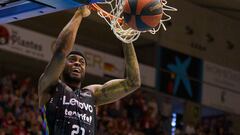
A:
{"points": [[75, 67]]}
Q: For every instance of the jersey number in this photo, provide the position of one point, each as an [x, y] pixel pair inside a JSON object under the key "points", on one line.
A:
{"points": [[76, 130]]}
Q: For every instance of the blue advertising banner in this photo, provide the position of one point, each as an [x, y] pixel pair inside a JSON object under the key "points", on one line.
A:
{"points": [[179, 75]]}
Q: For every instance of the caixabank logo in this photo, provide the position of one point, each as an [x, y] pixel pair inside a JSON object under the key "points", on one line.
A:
{"points": [[179, 75], [4, 35]]}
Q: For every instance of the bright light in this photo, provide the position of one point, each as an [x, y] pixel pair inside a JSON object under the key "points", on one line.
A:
{"points": [[173, 123]]}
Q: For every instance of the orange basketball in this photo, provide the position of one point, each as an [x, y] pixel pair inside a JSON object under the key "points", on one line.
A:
{"points": [[142, 15]]}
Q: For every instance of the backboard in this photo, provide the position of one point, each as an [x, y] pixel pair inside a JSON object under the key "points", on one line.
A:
{"points": [[14, 10]]}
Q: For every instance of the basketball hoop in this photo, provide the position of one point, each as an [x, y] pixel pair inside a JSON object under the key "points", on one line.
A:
{"points": [[114, 19]]}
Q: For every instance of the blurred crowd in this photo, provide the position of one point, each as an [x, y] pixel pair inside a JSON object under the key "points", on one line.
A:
{"points": [[137, 114], [133, 115], [218, 125], [19, 113]]}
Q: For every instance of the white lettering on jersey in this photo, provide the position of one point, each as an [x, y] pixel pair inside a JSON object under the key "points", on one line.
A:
{"points": [[81, 116], [73, 102]]}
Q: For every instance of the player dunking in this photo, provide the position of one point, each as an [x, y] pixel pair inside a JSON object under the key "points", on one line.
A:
{"points": [[70, 109]]}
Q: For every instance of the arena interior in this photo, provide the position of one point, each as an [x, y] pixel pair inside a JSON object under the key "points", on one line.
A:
{"points": [[201, 43]]}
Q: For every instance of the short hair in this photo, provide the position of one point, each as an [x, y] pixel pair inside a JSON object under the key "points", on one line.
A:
{"points": [[78, 53]]}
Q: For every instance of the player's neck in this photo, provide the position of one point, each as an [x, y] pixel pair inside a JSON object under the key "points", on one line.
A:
{"points": [[72, 84]]}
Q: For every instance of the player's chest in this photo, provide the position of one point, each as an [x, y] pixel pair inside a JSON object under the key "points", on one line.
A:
{"points": [[78, 102]]}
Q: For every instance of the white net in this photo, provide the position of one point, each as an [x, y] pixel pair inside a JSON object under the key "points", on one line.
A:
{"points": [[119, 28]]}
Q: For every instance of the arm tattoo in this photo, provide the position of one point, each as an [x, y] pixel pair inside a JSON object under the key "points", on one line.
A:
{"points": [[132, 67], [118, 88]]}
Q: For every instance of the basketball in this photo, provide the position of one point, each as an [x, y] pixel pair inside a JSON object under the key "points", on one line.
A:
{"points": [[142, 15]]}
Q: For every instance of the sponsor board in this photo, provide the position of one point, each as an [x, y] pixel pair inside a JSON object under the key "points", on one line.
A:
{"points": [[25, 42], [220, 98], [179, 74], [221, 87], [35, 45]]}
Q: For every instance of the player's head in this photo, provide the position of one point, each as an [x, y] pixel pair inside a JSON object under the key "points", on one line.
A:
{"points": [[75, 65]]}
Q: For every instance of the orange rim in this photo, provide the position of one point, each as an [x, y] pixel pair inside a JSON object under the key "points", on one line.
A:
{"points": [[106, 14]]}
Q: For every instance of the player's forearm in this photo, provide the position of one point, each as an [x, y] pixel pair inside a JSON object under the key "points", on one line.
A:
{"points": [[119, 88], [132, 67], [55, 67], [66, 38]]}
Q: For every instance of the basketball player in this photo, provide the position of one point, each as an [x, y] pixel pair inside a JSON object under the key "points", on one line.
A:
{"points": [[70, 109]]}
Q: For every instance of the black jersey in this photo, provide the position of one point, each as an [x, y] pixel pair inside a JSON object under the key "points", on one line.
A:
{"points": [[70, 112]]}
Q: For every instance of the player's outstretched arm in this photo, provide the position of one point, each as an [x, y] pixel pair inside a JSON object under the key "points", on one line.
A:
{"points": [[118, 88], [64, 45]]}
